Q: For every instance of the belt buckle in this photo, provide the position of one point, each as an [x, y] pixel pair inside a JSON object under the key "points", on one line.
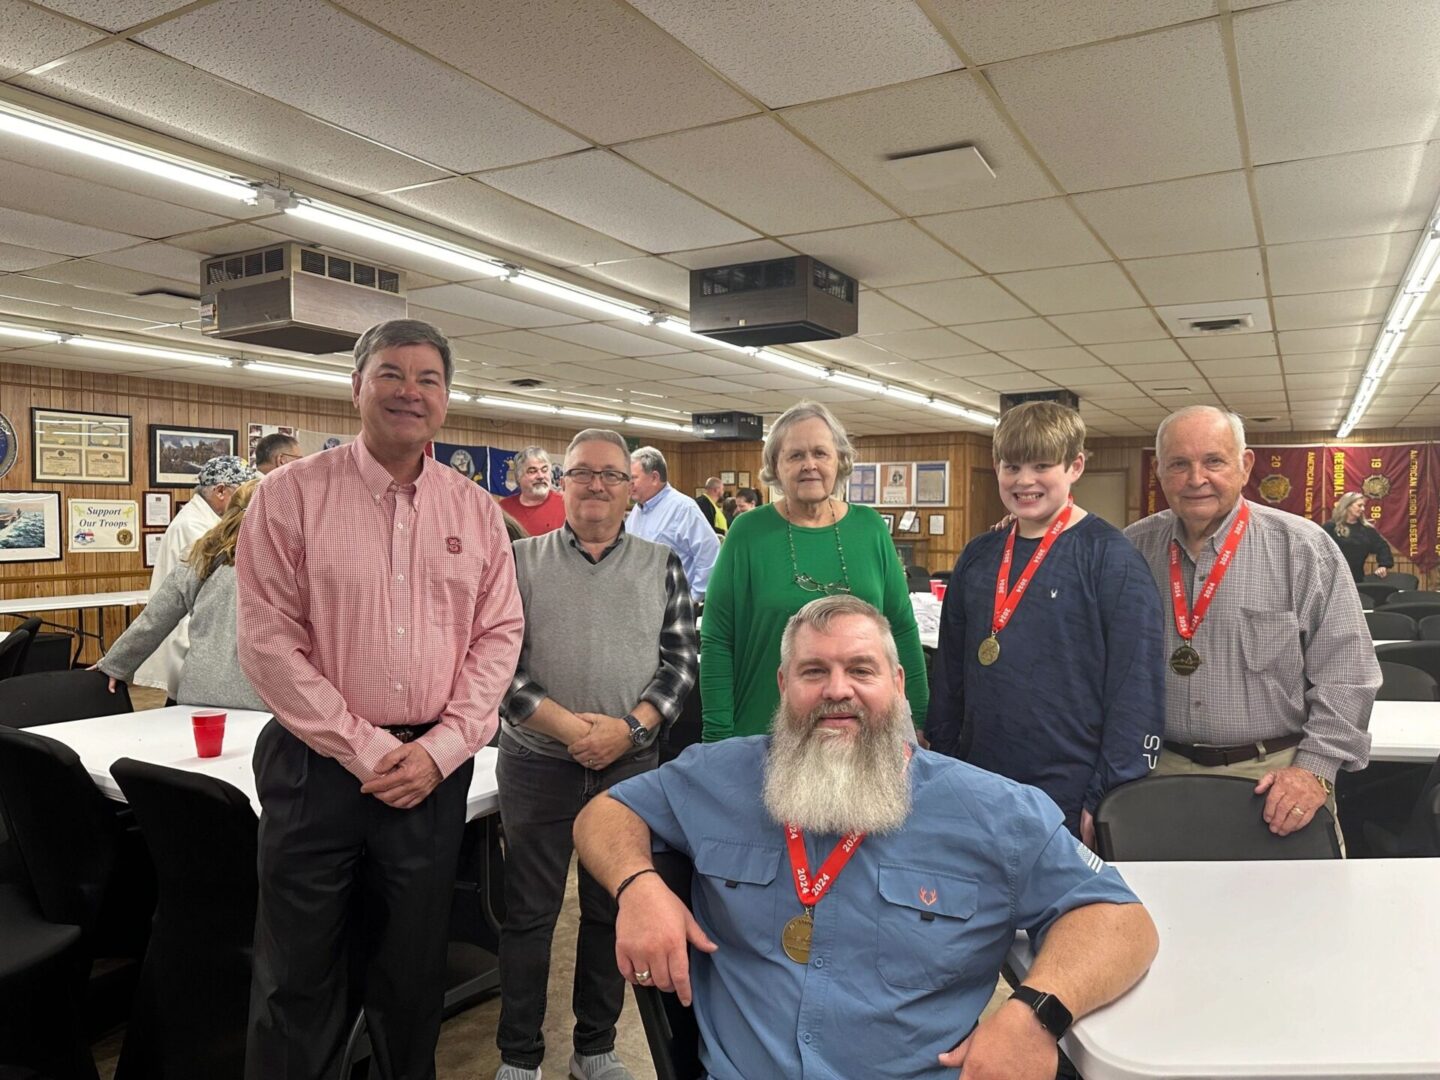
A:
{"points": [[1260, 750], [404, 732]]}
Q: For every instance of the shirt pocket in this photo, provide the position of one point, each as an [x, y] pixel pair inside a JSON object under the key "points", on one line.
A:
{"points": [[1274, 663], [451, 589], [927, 937], [737, 882]]}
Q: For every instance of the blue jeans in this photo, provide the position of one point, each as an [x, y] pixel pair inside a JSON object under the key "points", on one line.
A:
{"points": [[539, 799]]}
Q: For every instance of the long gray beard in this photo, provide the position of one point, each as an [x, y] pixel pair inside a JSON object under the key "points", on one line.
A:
{"points": [[836, 784]]}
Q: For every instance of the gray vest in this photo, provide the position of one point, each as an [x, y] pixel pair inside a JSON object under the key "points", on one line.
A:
{"points": [[592, 630]]}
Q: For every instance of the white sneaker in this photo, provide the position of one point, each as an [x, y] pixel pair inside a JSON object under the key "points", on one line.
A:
{"points": [[516, 1072], [606, 1066]]}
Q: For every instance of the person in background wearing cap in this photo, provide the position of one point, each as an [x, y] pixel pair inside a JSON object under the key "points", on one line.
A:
{"points": [[214, 485]]}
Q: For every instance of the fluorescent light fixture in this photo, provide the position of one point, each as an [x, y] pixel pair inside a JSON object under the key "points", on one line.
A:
{"points": [[47, 336], [901, 394], [459, 395], [586, 414], [296, 373], [658, 425], [512, 403], [81, 341], [789, 363], [1406, 309], [1427, 264], [582, 297], [857, 382], [682, 328], [975, 416], [395, 237], [52, 133]]}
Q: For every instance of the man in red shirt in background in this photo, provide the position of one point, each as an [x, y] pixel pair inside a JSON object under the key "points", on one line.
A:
{"points": [[537, 506], [380, 622]]}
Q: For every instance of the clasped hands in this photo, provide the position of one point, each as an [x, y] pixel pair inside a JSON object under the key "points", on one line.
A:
{"points": [[606, 740]]}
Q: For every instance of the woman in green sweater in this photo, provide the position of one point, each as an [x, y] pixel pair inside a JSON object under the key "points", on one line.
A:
{"points": [[778, 558]]}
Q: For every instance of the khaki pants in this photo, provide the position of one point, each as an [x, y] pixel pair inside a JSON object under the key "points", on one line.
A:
{"points": [[1173, 764]]}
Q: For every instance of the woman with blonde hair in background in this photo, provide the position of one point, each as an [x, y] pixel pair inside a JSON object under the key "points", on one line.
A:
{"points": [[1357, 538], [202, 587]]}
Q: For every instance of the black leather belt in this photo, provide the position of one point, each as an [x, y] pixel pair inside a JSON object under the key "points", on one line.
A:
{"points": [[409, 732], [1214, 756]]}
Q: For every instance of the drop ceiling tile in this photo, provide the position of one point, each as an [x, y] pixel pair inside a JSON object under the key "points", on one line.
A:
{"points": [[1328, 76], [1067, 356], [1099, 327], [1226, 346], [966, 300], [1140, 352], [1245, 365], [154, 91], [605, 192], [33, 37], [1164, 372], [454, 326], [1337, 361], [1331, 309], [1319, 382], [1087, 378], [699, 363], [47, 234], [971, 367], [529, 343], [783, 53], [125, 282], [798, 190], [162, 260], [1202, 278], [1026, 236], [884, 254], [227, 238], [1236, 387], [269, 46], [70, 199], [477, 304], [1359, 262], [1062, 290], [14, 257], [115, 15], [863, 132], [1377, 191], [730, 254], [1131, 111], [849, 350], [1201, 213], [600, 68], [612, 340], [991, 32], [925, 344], [1016, 334], [648, 279], [1414, 379], [1006, 384], [881, 315], [1424, 333]]}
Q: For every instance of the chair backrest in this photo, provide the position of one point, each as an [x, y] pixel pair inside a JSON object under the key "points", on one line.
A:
{"points": [[67, 838], [1413, 596], [31, 626], [1390, 626], [1368, 602], [12, 649], [670, 1027], [918, 578], [50, 697], [1398, 578], [1401, 682], [1424, 655], [1430, 632], [1434, 809], [1416, 609], [1377, 591], [1199, 818]]}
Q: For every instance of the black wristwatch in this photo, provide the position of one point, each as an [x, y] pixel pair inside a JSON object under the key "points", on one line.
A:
{"points": [[640, 735], [1054, 1017]]}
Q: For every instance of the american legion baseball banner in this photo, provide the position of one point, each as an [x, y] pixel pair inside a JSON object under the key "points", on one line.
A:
{"points": [[1400, 482]]}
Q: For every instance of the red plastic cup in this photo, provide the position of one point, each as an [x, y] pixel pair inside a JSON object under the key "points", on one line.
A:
{"points": [[937, 589], [209, 729]]}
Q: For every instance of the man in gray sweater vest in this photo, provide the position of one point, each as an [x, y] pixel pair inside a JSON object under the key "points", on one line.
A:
{"points": [[610, 653]]}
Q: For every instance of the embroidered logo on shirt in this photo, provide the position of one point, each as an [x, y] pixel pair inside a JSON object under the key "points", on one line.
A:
{"points": [[928, 896], [1054, 593], [452, 545]]}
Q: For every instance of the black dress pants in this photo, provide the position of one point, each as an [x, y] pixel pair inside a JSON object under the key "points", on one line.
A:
{"points": [[325, 850]]}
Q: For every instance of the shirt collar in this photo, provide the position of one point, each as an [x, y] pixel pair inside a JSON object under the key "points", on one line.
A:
{"points": [[656, 499], [377, 478], [574, 542], [1216, 539]]}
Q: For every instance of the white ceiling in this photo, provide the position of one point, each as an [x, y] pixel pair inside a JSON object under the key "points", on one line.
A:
{"points": [[1150, 156]]}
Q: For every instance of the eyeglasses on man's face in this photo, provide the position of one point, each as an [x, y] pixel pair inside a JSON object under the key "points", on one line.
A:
{"points": [[608, 477]]}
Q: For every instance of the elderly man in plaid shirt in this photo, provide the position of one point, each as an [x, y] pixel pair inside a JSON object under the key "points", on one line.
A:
{"points": [[610, 652]]}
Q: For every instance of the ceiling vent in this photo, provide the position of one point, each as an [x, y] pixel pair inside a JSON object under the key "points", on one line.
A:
{"points": [[1225, 324], [1214, 320], [526, 384], [775, 302], [289, 296]]}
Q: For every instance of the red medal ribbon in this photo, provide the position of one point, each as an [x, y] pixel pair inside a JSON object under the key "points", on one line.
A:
{"points": [[810, 891], [1185, 623], [1006, 603]]}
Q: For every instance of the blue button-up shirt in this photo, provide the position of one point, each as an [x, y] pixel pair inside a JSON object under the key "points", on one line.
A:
{"points": [[671, 519], [908, 940]]}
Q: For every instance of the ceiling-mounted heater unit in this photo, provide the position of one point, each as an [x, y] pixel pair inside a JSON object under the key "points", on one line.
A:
{"points": [[290, 296]]}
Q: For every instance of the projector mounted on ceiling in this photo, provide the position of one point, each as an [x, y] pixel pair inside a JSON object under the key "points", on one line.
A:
{"points": [[289, 296], [776, 302]]}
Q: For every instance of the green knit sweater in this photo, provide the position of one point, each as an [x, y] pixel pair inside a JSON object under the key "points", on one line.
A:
{"points": [[752, 595]]}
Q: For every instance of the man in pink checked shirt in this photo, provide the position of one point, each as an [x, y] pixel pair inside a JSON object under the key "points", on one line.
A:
{"points": [[380, 622]]}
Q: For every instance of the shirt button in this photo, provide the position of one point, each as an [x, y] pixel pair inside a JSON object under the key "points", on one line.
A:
{"points": [[1199, 704], [819, 963], [399, 577], [400, 630], [400, 525], [806, 1036], [399, 686]]}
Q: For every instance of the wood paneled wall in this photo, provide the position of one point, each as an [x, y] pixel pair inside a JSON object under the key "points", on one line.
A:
{"points": [[150, 401]]}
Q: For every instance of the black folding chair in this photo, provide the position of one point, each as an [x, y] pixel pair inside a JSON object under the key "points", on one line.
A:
{"points": [[1197, 818], [1430, 628], [43, 968], [1416, 609], [31, 627], [670, 1027], [190, 1014], [1391, 626], [1419, 836], [917, 578], [1398, 578], [12, 650], [1424, 655], [51, 697], [1378, 592], [1401, 682], [1413, 596]]}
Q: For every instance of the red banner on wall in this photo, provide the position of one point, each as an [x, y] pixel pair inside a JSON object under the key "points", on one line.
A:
{"points": [[1289, 478], [1152, 499], [1399, 485]]}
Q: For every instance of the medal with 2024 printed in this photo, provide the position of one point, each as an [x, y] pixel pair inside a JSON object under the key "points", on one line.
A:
{"points": [[1185, 660], [1007, 600], [796, 936]]}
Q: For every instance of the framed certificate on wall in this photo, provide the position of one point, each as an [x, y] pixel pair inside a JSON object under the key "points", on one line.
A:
{"points": [[79, 448]]}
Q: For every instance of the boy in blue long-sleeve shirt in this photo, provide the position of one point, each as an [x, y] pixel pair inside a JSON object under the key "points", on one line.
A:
{"points": [[1059, 683]]}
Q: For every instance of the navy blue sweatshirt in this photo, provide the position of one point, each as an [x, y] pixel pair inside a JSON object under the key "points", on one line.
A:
{"points": [[1076, 703]]}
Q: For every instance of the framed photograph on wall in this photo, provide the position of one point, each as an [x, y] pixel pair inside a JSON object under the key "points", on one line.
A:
{"points": [[79, 448], [910, 521], [889, 520], [932, 483], [30, 526], [177, 453]]}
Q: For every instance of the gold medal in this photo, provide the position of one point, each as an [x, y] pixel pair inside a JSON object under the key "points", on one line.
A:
{"points": [[1184, 661], [989, 650], [795, 938]]}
